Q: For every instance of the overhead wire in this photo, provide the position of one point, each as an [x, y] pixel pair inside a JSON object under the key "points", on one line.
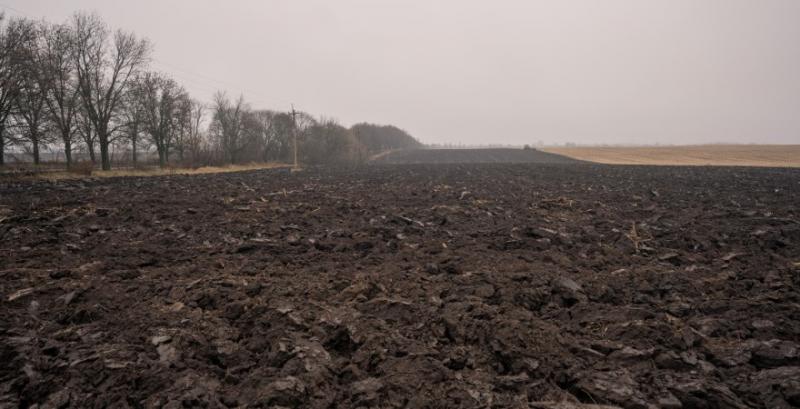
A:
{"points": [[200, 81]]}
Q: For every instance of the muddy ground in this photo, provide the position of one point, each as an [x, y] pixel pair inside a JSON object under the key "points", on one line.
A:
{"points": [[463, 286]]}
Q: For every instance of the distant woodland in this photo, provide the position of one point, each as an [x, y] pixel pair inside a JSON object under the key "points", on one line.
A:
{"points": [[85, 94]]}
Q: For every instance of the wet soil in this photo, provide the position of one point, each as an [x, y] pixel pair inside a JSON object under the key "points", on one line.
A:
{"points": [[463, 286]]}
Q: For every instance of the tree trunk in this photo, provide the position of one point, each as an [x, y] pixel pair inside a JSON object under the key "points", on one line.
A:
{"points": [[102, 138], [68, 151], [87, 139], [92, 155], [35, 141], [133, 156], [105, 161], [2, 148], [162, 158]]}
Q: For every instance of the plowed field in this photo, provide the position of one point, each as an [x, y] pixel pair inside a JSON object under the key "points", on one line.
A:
{"points": [[420, 286]]}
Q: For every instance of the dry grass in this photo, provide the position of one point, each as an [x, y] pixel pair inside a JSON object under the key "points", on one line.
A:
{"points": [[160, 172], [695, 155]]}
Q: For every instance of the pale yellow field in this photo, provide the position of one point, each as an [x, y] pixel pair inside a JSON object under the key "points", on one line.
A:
{"points": [[695, 155]]}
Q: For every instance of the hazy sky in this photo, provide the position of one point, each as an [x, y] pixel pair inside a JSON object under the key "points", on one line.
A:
{"points": [[583, 71]]}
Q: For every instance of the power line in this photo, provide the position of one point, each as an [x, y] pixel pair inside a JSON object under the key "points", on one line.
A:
{"points": [[16, 10], [200, 80], [226, 84], [193, 82], [191, 73], [207, 82]]}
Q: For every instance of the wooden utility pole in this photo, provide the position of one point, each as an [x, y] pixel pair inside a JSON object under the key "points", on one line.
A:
{"points": [[294, 134]]}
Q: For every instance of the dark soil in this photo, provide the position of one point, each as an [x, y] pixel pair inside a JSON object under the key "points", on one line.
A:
{"points": [[405, 286], [451, 156]]}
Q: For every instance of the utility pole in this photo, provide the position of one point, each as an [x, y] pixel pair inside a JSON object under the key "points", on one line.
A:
{"points": [[294, 135]]}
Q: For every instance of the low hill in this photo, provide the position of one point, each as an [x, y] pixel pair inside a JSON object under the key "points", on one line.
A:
{"points": [[380, 138], [488, 155]]}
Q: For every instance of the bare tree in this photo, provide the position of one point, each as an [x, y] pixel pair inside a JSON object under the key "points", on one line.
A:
{"points": [[86, 132], [133, 116], [194, 142], [13, 35], [228, 126], [105, 65], [328, 142], [32, 117], [58, 78], [160, 98], [274, 134], [183, 125], [31, 99], [302, 125], [83, 80]]}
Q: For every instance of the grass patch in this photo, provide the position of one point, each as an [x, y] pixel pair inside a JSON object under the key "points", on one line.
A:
{"points": [[59, 175]]}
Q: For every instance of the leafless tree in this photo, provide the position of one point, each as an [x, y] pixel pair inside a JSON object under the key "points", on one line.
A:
{"points": [[133, 116], [274, 134], [14, 34], [266, 127], [86, 132], [105, 65], [57, 77], [228, 126], [31, 113], [194, 142], [31, 101], [83, 80], [328, 142], [161, 98], [183, 125]]}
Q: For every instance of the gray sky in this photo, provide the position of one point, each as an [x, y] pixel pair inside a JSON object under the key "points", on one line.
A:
{"points": [[583, 71]]}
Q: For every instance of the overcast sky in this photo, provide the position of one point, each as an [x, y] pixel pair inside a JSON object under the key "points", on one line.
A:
{"points": [[523, 71]]}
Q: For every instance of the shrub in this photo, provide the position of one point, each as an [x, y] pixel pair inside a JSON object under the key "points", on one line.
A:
{"points": [[84, 168]]}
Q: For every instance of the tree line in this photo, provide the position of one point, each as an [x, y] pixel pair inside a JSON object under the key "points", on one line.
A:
{"points": [[80, 86]]}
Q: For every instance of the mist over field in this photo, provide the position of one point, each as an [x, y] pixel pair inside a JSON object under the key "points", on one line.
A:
{"points": [[506, 72]]}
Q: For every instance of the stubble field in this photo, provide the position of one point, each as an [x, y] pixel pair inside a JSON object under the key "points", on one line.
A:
{"points": [[697, 155]]}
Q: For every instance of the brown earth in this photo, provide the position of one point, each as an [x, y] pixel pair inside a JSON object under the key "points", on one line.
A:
{"points": [[694, 155], [464, 286]]}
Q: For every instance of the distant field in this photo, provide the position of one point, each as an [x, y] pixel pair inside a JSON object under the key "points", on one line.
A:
{"points": [[477, 155], [699, 155]]}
